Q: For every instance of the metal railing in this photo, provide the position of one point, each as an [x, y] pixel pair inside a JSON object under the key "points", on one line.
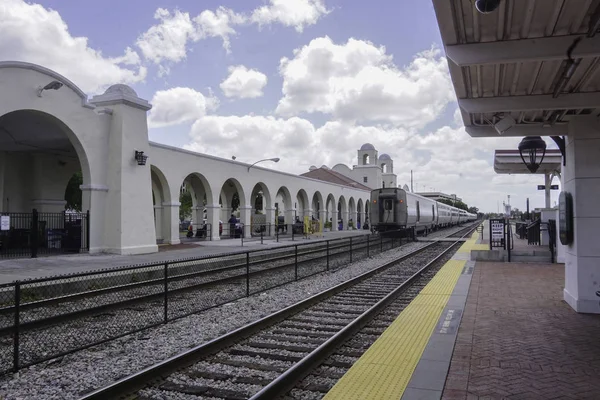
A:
{"points": [[45, 318], [534, 233], [41, 233]]}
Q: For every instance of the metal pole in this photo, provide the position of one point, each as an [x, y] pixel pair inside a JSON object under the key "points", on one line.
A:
{"points": [[247, 273], [381, 243], [368, 241], [411, 181], [350, 249], [34, 233], [87, 230], [17, 322], [490, 234], [166, 290], [261, 235], [328, 255], [296, 262]]}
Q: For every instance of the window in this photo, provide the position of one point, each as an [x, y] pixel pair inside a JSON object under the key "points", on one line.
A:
{"points": [[418, 212], [365, 179], [388, 204]]}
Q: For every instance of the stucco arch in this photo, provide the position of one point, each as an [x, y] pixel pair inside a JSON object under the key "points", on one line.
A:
{"points": [[352, 211], [24, 119], [228, 189], [266, 194], [331, 211], [342, 208], [200, 188], [161, 194], [317, 205], [302, 203], [283, 200]]}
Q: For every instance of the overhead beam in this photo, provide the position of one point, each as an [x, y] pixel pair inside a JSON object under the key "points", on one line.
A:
{"points": [[524, 50], [517, 130], [572, 101]]}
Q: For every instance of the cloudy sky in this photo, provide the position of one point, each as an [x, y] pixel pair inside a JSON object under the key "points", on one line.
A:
{"points": [[308, 81]]}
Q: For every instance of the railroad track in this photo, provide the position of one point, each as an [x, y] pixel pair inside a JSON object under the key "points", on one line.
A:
{"points": [[267, 358]]}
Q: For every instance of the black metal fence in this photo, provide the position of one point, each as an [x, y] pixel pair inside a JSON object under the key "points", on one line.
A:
{"points": [[41, 319], [40, 233]]}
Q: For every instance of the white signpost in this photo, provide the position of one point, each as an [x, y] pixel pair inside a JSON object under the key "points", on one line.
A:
{"points": [[4, 222]]}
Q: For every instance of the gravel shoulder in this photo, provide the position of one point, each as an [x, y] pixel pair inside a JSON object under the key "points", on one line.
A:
{"points": [[71, 376]]}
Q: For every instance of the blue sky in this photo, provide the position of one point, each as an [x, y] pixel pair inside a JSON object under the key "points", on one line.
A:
{"points": [[306, 80]]}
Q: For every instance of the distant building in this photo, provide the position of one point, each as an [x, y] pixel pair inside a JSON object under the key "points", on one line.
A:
{"points": [[372, 172]]}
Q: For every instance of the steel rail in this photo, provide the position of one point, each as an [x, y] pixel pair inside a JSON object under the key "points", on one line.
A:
{"points": [[140, 379], [286, 381]]}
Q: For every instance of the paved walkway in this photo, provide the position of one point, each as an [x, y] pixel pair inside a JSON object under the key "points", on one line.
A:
{"points": [[519, 340], [23, 268]]}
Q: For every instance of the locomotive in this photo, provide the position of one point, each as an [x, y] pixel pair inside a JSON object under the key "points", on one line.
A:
{"points": [[395, 208]]}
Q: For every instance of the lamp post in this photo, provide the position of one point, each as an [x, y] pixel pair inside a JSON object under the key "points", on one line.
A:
{"points": [[532, 150], [275, 159]]}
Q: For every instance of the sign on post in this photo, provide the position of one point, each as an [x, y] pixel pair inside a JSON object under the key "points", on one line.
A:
{"points": [[497, 233], [5, 223]]}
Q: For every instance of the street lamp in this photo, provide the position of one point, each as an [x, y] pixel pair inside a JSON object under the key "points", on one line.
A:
{"points": [[276, 159], [534, 149]]}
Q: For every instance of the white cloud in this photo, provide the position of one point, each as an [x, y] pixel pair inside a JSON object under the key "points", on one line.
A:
{"points": [[32, 33], [358, 81], [291, 13], [447, 159], [243, 83], [179, 105], [167, 40], [218, 24]]}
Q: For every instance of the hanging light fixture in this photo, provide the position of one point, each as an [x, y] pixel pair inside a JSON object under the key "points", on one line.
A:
{"points": [[532, 150]]}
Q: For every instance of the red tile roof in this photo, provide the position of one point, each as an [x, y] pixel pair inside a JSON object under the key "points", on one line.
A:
{"points": [[331, 176]]}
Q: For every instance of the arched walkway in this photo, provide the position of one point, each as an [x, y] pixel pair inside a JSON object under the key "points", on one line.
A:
{"points": [[352, 213], [233, 203], [302, 204], [319, 211], [332, 213], [360, 216], [262, 205], [283, 205], [342, 209], [161, 197]]}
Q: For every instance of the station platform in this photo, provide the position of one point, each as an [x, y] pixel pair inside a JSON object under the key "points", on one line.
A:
{"points": [[482, 330], [24, 268]]}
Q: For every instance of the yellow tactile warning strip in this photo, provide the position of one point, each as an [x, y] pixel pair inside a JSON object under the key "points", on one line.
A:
{"points": [[384, 370], [471, 244]]}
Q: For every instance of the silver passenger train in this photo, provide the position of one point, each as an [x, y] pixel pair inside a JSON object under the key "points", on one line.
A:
{"points": [[395, 208]]}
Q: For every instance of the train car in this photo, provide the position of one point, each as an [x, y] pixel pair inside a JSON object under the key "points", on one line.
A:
{"points": [[394, 208]]}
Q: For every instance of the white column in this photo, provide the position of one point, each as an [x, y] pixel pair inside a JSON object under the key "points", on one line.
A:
{"points": [[171, 220], [547, 183], [345, 220], [212, 217], [307, 213], [158, 217], [93, 198], [246, 219], [198, 217], [582, 179], [289, 216], [334, 221], [270, 219]]}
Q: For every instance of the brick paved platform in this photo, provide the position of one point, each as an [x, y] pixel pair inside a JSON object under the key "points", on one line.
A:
{"points": [[519, 340]]}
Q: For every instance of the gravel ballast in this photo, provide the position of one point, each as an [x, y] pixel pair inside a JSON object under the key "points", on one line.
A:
{"points": [[72, 376]]}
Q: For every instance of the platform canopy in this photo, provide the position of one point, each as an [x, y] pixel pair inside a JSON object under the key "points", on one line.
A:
{"points": [[513, 63], [509, 162]]}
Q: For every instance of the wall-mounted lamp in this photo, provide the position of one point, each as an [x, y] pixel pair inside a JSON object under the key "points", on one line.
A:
{"points": [[140, 157], [54, 85]]}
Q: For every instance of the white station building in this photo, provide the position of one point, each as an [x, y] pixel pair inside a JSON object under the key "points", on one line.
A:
{"points": [[532, 68], [49, 130]]}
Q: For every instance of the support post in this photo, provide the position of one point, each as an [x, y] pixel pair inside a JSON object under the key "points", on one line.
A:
{"points": [[166, 289], [247, 273], [16, 334]]}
